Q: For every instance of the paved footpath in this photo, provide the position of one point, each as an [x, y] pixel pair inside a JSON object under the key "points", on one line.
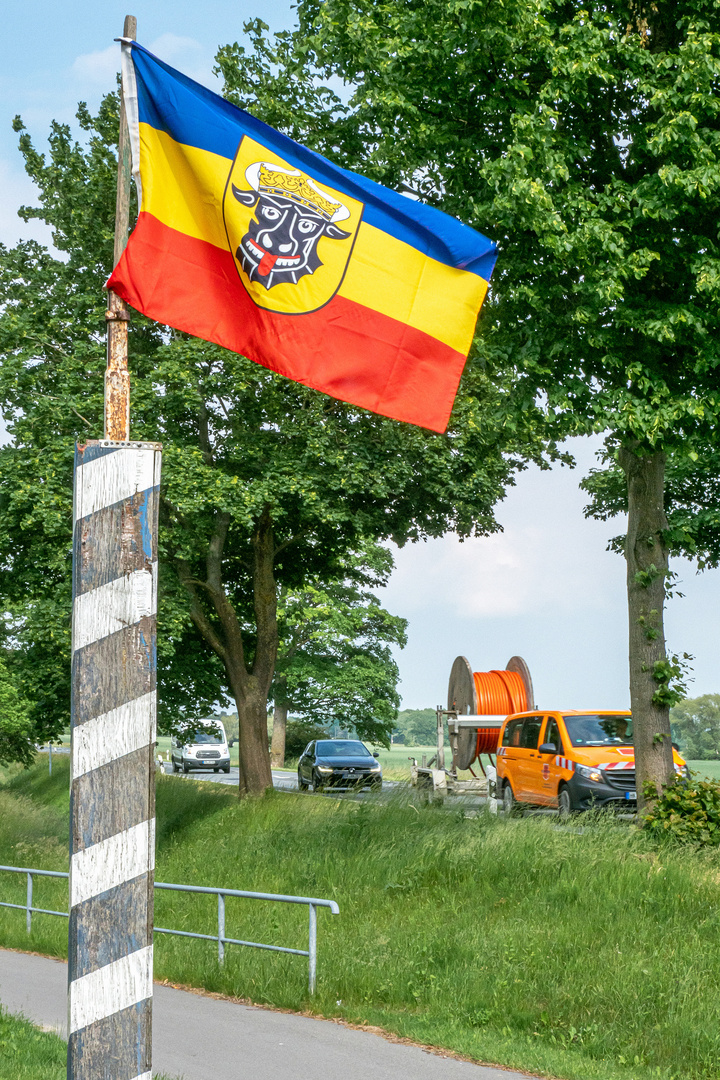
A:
{"points": [[204, 1038]]}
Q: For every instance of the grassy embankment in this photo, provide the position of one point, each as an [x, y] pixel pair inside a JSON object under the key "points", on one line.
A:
{"points": [[580, 955]]}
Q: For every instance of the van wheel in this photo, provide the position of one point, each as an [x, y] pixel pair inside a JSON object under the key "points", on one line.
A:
{"points": [[510, 805], [565, 806], [302, 786], [186, 768], [176, 767], [226, 768]]}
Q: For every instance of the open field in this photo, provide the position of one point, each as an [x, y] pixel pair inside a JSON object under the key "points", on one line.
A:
{"points": [[706, 768], [577, 954]]}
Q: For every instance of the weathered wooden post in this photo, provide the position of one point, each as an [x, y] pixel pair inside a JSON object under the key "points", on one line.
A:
{"points": [[112, 806]]}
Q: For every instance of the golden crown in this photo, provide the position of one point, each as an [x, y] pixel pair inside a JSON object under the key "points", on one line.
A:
{"points": [[297, 187]]}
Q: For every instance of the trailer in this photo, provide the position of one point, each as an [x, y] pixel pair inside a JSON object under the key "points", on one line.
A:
{"points": [[478, 703]]}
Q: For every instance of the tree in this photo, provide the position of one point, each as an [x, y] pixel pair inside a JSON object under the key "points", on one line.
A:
{"points": [[17, 734], [335, 664], [418, 726], [585, 140], [266, 484], [696, 726]]}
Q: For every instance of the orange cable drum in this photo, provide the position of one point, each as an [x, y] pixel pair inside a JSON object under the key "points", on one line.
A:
{"points": [[498, 693]]}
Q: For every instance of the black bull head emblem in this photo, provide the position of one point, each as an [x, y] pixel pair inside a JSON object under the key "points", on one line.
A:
{"points": [[281, 242]]}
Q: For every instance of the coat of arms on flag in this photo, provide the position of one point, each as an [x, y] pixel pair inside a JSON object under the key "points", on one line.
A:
{"points": [[291, 237]]}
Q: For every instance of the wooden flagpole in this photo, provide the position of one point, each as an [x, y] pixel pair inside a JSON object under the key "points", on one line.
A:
{"points": [[112, 804]]}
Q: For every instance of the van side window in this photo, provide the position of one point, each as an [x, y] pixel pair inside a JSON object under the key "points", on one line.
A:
{"points": [[531, 732], [553, 735], [511, 735]]}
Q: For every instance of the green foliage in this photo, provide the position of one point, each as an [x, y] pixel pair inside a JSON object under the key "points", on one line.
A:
{"points": [[17, 732], [419, 726], [299, 733], [335, 664], [696, 726], [692, 502], [671, 675], [584, 140], [688, 811]]}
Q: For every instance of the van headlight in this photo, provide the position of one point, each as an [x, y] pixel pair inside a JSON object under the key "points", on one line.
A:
{"points": [[324, 768], [590, 774]]}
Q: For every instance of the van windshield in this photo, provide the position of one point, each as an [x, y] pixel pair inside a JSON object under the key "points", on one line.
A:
{"points": [[205, 736], [599, 730]]}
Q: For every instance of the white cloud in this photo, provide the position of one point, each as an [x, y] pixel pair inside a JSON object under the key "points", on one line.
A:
{"points": [[97, 70], [548, 558]]}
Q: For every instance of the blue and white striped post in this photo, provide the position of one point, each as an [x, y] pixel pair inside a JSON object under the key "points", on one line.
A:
{"points": [[112, 808]]}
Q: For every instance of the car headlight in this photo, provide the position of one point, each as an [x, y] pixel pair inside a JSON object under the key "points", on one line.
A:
{"points": [[376, 768], [590, 774], [324, 768]]}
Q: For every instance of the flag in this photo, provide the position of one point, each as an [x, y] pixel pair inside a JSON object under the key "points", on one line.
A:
{"points": [[250, 240]]}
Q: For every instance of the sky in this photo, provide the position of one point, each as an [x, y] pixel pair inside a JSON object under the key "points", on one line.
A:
{"points": [[546, 587]]}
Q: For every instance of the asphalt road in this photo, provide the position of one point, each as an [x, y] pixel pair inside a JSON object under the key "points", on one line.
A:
{"points": [[282, 781], [203, 1038]]}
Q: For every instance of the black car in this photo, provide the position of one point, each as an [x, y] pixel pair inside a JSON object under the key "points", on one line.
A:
{"points": [[340, 763]]}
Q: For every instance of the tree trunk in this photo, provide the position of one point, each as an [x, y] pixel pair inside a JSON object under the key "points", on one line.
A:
{"points": [[277, 753], [225, 637], [647, 565], [255, 774]]}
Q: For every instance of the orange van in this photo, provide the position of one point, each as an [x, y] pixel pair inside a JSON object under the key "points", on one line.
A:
{"points": [[569, 760]]}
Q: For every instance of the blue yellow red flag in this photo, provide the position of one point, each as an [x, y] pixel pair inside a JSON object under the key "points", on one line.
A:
{"points": [[247, 239]]}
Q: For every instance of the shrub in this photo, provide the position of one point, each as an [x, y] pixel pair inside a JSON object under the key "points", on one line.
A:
{"points": [[689, 811], [298, 734]]}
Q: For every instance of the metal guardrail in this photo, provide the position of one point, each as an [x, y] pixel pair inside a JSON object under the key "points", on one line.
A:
{"points": [[313, 904]]}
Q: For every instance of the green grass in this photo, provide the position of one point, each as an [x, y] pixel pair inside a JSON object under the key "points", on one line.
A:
{"points": [[27, 1053], [585, 955], [710, 769]]}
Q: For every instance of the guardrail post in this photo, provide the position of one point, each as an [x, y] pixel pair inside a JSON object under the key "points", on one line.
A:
{"points": [[221, 928], [28, 917], [312, 948]]}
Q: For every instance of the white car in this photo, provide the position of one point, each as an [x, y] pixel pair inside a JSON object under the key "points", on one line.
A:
{"points": [[207, 748]]}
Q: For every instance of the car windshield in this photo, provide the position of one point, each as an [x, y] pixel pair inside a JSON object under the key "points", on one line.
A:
{"points": [[599, 730], [205, 736], [342, 748]]}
